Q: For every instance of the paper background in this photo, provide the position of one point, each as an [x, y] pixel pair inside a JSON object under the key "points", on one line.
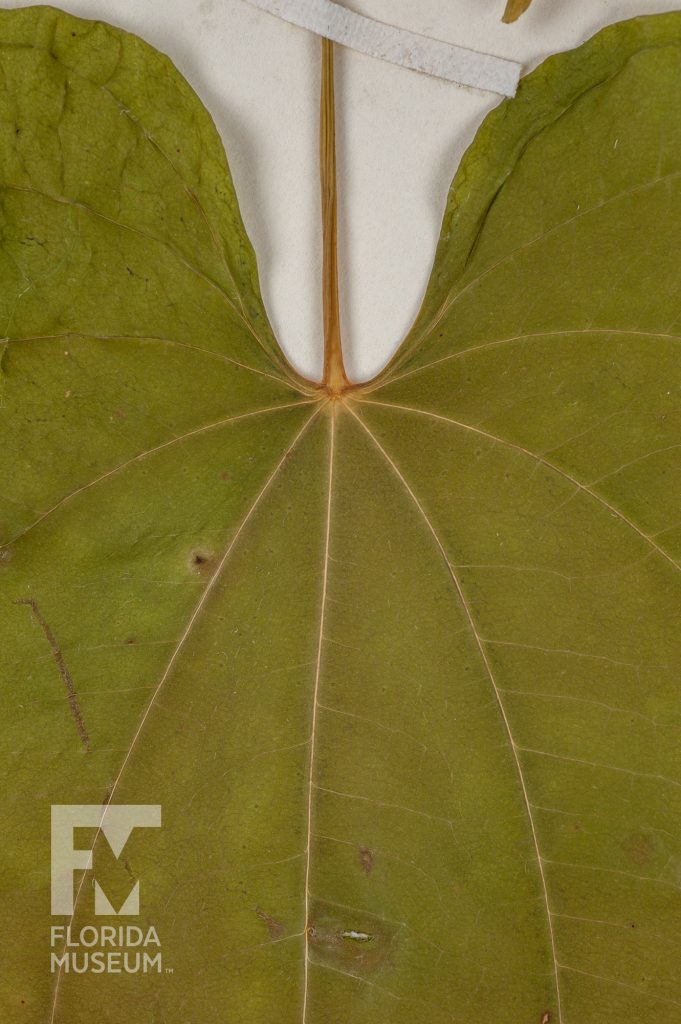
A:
{"points": [[401, 136]]}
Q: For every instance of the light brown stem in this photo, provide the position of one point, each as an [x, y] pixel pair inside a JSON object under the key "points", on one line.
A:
{"points": [[335, 378]]}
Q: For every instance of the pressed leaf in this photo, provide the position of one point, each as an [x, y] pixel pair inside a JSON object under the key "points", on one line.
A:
{"points": [[400, 663]]}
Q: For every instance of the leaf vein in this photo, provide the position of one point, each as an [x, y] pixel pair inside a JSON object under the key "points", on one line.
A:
{"points": [[144, 455], [176, 653], [490, 673]]}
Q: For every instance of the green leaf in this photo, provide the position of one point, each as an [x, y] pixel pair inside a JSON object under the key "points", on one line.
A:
{"points": [[401, 667]]}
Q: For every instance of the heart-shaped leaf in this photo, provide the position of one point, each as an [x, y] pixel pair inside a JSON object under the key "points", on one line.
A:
{"points": [[400, 664]]}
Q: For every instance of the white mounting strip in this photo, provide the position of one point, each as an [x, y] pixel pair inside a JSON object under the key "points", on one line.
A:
{"points": [[398, 45]]}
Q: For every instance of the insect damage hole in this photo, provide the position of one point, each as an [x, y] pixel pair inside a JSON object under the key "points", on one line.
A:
{"points": [[355, 936]]}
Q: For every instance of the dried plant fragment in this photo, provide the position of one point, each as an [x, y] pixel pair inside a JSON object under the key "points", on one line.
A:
{"points": [[514, 8]]}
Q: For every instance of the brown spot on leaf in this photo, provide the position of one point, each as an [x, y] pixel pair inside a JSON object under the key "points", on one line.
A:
{"points": [[275, 929], [201, 562], [224, 475], [131, 640], [366, 859], [639, 848]]}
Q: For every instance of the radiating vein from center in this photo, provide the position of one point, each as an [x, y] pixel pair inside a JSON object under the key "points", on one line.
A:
{"points": [[315, 706]]}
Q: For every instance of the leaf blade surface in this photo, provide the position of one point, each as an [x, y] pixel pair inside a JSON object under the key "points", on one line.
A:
{"points": [[401, 669]]}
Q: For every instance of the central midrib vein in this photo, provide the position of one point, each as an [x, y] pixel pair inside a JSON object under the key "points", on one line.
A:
{"points": [[315, 708], [177, 651]]}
